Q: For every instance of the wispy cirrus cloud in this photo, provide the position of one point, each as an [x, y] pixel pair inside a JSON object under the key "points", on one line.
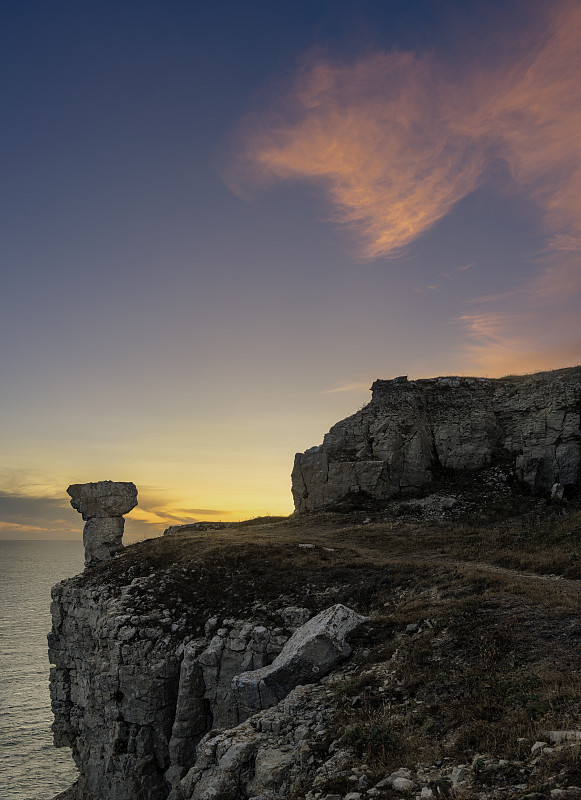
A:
{"points": [[355, 386], [445, 276], [167, 515], [457, 270], [395, 141], [16, 527], [358, 131], [24, 512]]}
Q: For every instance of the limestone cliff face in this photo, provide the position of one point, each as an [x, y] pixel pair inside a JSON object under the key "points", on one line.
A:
{"points": [[412, 429], [131, 698], [139, 680], [227, 665]]}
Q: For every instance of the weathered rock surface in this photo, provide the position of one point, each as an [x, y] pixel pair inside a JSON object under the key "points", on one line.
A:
{"points": [[311, 652], [133, 693], [266, 757], [102, 505], [102, 538], [412, 429], [103, 498]]}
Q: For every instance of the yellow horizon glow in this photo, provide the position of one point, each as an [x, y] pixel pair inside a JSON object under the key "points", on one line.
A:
{"points": [[205, 488]]}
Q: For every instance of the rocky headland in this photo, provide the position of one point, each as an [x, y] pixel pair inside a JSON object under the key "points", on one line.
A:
{"points": [[420, 642], [413, 432]]}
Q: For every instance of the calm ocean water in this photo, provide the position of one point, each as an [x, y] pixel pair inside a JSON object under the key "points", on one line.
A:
{"points": [[30, 767]]}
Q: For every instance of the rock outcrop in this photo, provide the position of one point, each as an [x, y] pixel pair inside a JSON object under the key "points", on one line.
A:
{"points": [[413, 430], [311, 653], [135, 687], [160, 653], [102, 505]]}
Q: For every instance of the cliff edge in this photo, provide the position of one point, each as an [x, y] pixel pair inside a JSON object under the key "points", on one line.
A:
{"points": [[414, 430], [327, 657]]}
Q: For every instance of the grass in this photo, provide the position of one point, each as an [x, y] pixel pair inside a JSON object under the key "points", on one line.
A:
{"points": [[476, 679], [496, 655], [261, 561]]}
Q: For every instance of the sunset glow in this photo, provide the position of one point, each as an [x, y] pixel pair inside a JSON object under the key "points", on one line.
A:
{"points": [[218, 231], [395, 141]]}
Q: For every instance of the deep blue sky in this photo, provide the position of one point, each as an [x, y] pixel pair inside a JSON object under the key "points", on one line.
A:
{"points": [[194, 279]]}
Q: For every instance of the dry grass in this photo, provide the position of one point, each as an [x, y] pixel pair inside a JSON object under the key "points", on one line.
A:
{"points": [[261, 561], [497, 653], [487, 670]]}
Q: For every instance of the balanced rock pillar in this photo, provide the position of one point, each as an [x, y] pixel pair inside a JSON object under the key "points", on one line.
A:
{"points": [[102, 506]]}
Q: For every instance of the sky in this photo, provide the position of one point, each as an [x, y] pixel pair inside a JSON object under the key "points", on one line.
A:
{"points": [[220, 223]]}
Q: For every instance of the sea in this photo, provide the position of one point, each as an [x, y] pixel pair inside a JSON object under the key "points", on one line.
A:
{"points": [[31, 768]]}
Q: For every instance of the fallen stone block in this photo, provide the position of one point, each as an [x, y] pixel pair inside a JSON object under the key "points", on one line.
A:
{"points": [[311, 652]]}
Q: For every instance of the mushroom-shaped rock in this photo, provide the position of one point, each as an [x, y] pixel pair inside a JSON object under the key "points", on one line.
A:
{"points": [[102, 505], [311, 652]]}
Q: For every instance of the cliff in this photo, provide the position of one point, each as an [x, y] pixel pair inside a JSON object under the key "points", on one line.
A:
{"points": [[427, 647], [413, 431], [327, 656]]}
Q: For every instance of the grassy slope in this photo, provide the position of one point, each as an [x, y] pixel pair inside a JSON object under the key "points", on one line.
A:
{"points": [[497, 653]]}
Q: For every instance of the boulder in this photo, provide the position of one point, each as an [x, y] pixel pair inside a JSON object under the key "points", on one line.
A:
{"points": [[311, 652]]}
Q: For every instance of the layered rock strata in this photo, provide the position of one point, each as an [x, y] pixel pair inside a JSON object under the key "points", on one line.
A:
{"points": [[412, 430], [102, 505], [268, 756], [311, 653], [135, 688]]}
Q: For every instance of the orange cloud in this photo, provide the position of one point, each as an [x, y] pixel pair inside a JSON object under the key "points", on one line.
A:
{"points": [[355, 386], [508, 342], [15, 526], [376, 136], [394, 140]]}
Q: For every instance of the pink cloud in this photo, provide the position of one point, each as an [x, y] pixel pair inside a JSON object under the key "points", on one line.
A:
{"points": [[393, 140]]}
